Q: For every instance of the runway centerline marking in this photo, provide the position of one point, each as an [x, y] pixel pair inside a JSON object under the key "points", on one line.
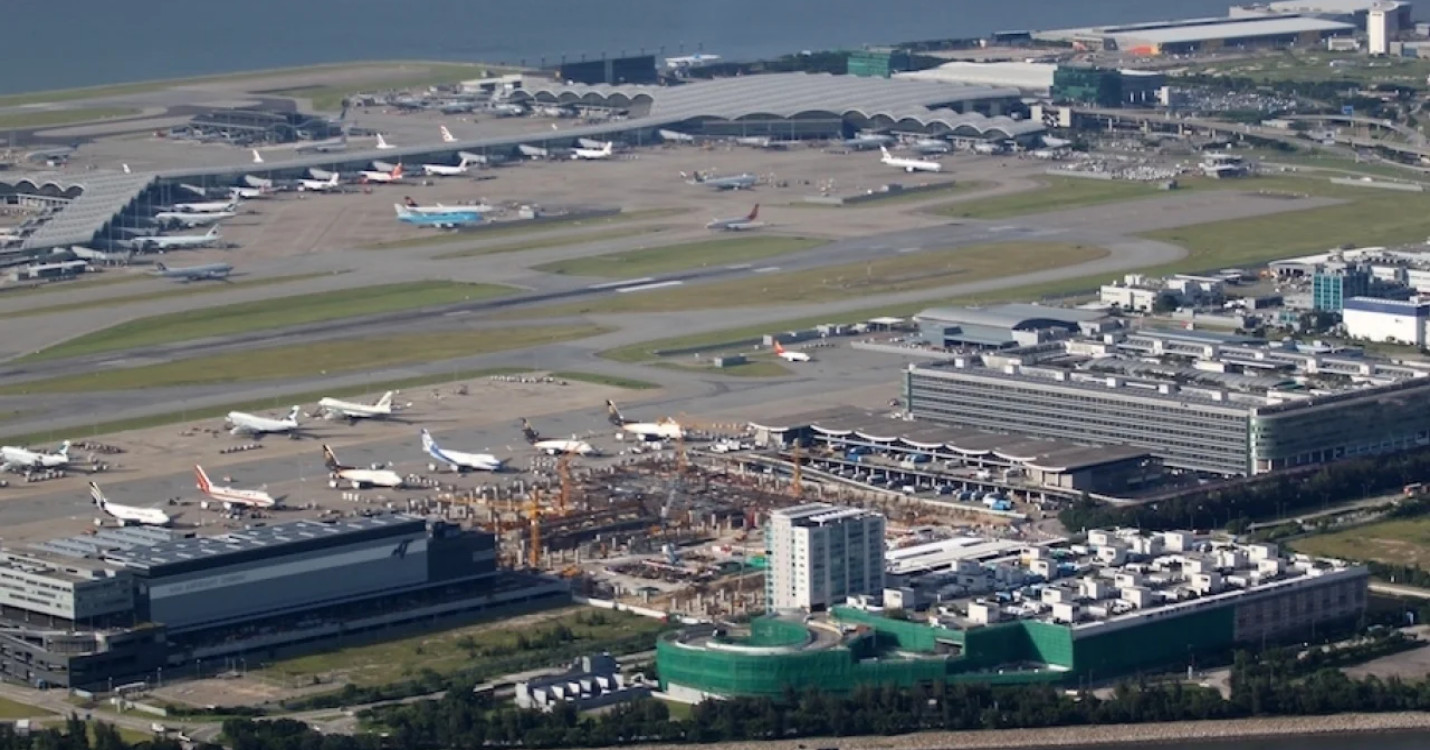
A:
{"points": [[645, 287]]}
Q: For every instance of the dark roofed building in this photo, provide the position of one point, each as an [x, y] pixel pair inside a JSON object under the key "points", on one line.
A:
{"points": [[1002, 326]]}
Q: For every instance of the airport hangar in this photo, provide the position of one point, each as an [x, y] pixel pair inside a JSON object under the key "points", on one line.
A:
{"points": [[107, 208]]}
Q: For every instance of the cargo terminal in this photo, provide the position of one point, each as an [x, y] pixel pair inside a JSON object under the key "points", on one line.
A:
{"points": [[124, 604], [1123, 602]]}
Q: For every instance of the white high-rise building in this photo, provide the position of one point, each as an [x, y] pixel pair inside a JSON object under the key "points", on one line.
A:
{"points": [[1382, 26], [819, 554]]}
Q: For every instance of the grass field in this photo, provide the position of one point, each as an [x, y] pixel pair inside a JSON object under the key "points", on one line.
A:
{"points": [[722, 252], [269, 314], [306, 360], [1397, 542], [565, 240], [277, 401], [1317, 159], [597, 378], [178, 290], [1060, 193], [518, 229], [1296, 66], [461, 648], [910, 272], [10, 710], [54, 117]]}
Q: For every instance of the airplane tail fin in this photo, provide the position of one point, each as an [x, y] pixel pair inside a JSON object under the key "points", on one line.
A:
{"points": [[400, 209], [779, 348], [447, 136], [754, 212], [613, 414], [97, 495], [126, 168], [408, 200], [529, 432], [257, 157], [427, 442], [205, 486], [331, 460], [160, 267], [397, 171], [293, 414], [381, 142], [64, 449], [385, 401], [885, 152], [213, 231]]}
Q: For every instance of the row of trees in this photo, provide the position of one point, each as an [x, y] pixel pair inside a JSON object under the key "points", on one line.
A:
{"points": [[74, 735]]}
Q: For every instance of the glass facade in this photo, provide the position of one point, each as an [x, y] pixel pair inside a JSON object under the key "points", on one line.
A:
{"points": [[1329, 291]]}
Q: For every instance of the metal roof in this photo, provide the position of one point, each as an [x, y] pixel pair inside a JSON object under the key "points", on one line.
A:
{"points": [[1010, 316], [1246, 29], [263, 537], [1329, 6], [102, 195]]}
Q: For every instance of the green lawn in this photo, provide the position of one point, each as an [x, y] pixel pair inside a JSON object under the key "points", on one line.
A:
{"points": [[1316, 66], [615, 381], [908, 272], [462, 648], [1318, 159], [277, 401], [1397, 542], [270, 314], [566, 240], [10, 710], [306, 360], [721, 252], [1059, 193], [53, 117], [178, 290]]}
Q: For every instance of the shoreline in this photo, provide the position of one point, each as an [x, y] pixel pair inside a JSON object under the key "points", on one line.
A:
{"points": [[1106, 735]]}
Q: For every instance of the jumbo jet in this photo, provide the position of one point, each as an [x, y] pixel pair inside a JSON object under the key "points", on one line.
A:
{"points": [[320, 186], [230, 496], [190, 220], [790, 356], [251, 424], [360, 478], [909, 165], [457, 460], [14, 457], [442, 208], [738, 224], [384, 177], [127, 514], [209, 207], [664, 429], [444, 170], [444, 220], [194, 273], [555, 447], [352, 412], [604, 152], [181, 241], [447, 136], [733, 182], [382, 144]]}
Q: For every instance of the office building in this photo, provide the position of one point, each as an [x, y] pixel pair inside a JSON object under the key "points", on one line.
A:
{"points": [[1333, 284], [1381, 27], [821, 554]]}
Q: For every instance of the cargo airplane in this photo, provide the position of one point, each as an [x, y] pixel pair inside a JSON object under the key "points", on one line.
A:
{"points": [[230, 496], [181, 241], [360, 478], [555, 447], [127, 514], [663, 429], [909, 165], [738, 224], [352, 412], [14, 457], [790, 356], [251, 424], [216, 271], [459, 461]]}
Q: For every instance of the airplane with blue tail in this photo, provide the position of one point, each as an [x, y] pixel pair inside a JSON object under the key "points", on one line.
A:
{"points": [[444, 220]]}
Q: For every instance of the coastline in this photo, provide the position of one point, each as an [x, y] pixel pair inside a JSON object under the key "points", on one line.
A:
{"points": [[1102, 735]]}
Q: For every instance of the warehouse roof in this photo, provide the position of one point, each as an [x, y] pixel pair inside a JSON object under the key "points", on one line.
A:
{"points": [[192, 549], [95, 198], [1236, 30], [1021, 75], [1326, 6], [1012, 316]]}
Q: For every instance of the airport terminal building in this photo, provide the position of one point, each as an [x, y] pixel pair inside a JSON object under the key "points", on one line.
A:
{"points": [[120, 605]]}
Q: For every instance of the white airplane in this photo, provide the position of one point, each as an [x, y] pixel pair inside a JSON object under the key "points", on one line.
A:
{"points": [[458, 460], [790, 356], [444, 170], [257, 157], [244, 423], [663, 429], [383, 177], [194, 273], [360, 478], [447, 136], [230, 496], [733, 182], [675, 136], [555, 447], [441, 208], [191, 220], [351, 411], [382, 144], [209, 207], [533, 152], [248, 193], [181, 241], [127, 514], [603, 152], [909, 165], [14, 457], [738, 224], [320, 186]]}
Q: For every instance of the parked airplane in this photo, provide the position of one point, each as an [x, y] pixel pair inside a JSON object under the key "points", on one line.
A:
{"points": [[208, 207], [181, 241], [191, 220], [442, 208], [127, 514], [675, 136], [360, 478], [931, 146], [249, 193], [603, 152], [194, 273], [384, 177], [231, 496], [790, 356], [252, 424], [507, 110], [444, 170], [866, 141], [458, 460], [533, 152], [663, 429], [447, 136], [382, 144], [762, 141], [444, 220], [734, 182], [320, 186], [738, 224], [909, 165], [352, 411], [555, 447], [14, 457]]}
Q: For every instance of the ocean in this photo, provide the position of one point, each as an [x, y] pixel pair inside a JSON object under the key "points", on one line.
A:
{"points": [[54, 45]]}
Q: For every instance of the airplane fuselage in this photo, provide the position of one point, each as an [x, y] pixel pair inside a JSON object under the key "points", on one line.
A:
{"points": [[13, 456]]}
